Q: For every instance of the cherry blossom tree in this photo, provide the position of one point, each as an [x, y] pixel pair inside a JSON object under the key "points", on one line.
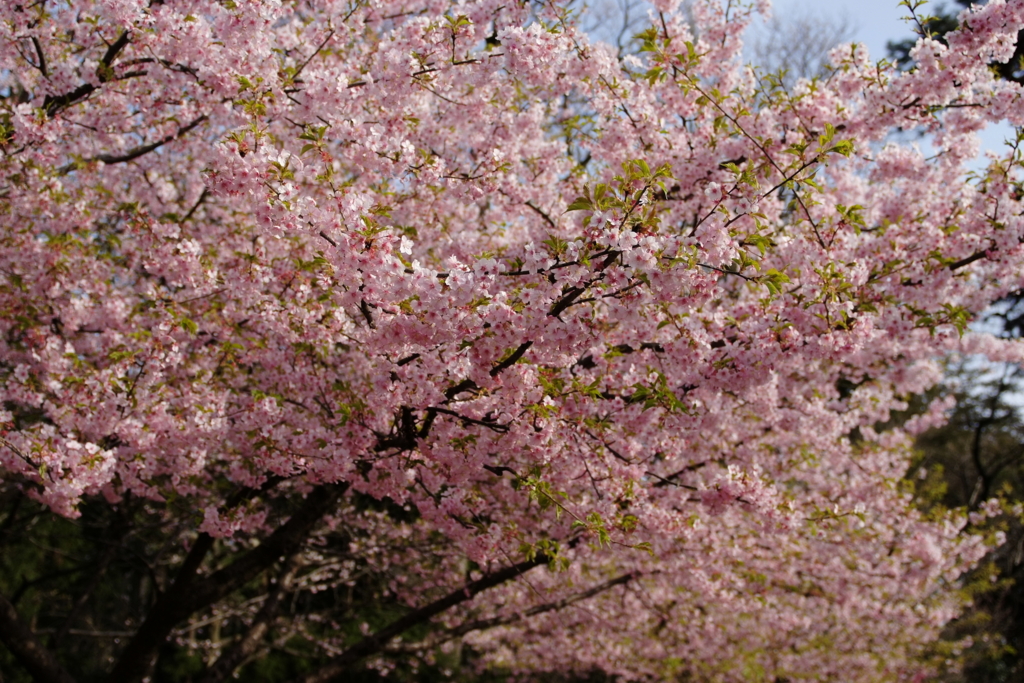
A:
{"points": [[578, 361]]}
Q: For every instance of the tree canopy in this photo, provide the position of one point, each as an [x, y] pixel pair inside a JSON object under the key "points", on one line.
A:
{"points": [[351, 336]]}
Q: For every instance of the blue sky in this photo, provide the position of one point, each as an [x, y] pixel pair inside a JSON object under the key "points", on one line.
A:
{"points": [[874, 21]]}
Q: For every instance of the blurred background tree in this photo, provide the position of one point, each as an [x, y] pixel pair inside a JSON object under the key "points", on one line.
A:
{"points": [[796, 44]]}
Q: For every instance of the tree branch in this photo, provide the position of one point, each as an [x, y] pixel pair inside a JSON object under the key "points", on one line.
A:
{"points": [[481, 624], [376, 642], [42, 664], [41, 56], [364, 308], [112, 52], [330, 34], [137, 152], [54, 105], [541, 213], [566, 301], [188, 595], [489, 424], [465, 385], [512, 359], [968, 260], [249, 643], [202, 197], [106, 557]]}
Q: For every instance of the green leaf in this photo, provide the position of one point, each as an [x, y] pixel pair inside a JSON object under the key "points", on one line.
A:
{"points": [[773, 280], [828, 135], [580, 204], [645, 546], [844, 147]]}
